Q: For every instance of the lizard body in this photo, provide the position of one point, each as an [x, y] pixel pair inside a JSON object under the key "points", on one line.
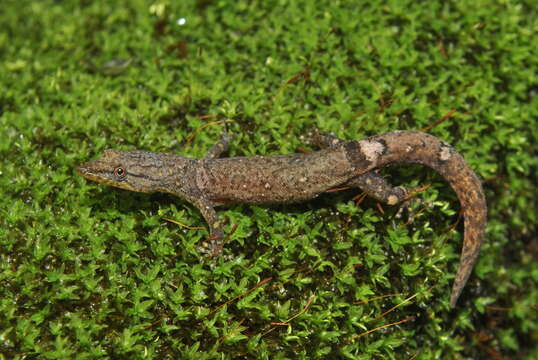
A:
{"points": [[214, 181]]}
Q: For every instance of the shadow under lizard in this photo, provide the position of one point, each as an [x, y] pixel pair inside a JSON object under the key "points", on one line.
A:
{"points": [[214, 181]]}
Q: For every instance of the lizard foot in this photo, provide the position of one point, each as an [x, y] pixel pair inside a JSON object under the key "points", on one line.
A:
{"points": [[410, 199]]}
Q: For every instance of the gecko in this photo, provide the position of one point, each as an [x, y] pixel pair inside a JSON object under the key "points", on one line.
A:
{"points": [[214, 180]]}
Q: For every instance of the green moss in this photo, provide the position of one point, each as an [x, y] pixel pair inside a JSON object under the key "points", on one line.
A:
{"points": [[88, 271]]}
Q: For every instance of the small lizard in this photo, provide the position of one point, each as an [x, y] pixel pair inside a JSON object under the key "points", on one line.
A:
{"points": [[214, 181]]}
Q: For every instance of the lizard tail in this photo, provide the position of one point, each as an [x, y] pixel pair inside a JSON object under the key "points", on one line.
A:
{"points": [[416, 147]]}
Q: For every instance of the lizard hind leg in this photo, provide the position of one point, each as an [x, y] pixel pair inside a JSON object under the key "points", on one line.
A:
{"points": [[220, 147], [322, 140], [378, 188], [372, 183]]}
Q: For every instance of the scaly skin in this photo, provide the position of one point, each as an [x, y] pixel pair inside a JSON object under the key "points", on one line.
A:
{"points": [[214, 181]]}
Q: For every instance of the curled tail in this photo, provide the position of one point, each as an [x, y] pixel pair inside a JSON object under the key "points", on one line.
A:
{"points": [[416, 147]]}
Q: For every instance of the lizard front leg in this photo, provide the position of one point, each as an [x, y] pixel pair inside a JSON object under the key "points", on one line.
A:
{"points": [[207, 207], [216, 234]]}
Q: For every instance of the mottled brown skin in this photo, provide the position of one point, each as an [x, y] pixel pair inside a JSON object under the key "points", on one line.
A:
{"points": [[214, 181]]}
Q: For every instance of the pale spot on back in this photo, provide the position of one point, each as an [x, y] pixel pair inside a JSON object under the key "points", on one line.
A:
{"points": [[444, 154], [372, 150]]}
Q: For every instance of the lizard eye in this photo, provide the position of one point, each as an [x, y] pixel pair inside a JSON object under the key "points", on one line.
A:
{"points": [[120, 172]]}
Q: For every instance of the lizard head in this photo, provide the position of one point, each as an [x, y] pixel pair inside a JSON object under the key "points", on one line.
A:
{"points": [[134, 170]]}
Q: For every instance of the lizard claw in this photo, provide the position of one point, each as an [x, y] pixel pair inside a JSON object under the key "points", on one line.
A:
{"points": [[411, 199], [212, 247]]}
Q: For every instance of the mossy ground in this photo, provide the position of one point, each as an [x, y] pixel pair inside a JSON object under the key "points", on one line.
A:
{"points": [[89, 271]]}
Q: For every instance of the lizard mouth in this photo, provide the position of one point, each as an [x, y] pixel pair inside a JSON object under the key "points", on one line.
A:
{"points": [[94, 171], [87, 171]]}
